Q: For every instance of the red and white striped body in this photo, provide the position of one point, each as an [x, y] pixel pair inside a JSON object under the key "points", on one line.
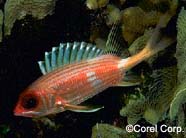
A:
{"points": [[75, 83]]}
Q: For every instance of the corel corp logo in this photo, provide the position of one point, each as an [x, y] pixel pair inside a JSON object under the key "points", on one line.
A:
{"points": [[163, 128]]}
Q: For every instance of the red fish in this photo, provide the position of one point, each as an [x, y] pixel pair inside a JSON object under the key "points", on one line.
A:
{"points": [[63, 88]]}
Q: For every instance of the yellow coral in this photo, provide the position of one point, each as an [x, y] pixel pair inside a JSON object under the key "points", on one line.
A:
{"points": [[151, 116], [113, 14], [95, 4], [135, 21]]}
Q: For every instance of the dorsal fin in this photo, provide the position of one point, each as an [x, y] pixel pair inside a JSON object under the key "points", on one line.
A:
{"points": [[115, 42], [68, 53]]}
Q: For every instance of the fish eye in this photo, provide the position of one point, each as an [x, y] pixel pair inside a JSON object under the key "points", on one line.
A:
{"points": [[29, 102]]}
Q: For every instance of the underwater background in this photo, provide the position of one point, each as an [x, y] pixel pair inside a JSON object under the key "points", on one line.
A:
{"points": [[71, 20]]}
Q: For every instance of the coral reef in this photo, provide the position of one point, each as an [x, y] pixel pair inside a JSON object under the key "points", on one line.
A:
{"points": [[177, 108], [109, 131], [17, 9], [153, 106]]}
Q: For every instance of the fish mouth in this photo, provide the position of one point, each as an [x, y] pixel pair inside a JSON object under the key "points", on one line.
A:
{"points": [[28, 114], [20, 112]]}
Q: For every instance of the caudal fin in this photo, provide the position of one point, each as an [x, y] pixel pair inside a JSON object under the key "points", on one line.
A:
{"points": [[156, 43]]}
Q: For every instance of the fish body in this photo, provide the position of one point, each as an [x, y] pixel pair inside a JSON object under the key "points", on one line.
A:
{"points": [[75, 83]]}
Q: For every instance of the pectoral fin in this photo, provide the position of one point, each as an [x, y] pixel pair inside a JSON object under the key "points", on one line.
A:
{"points": [[80, 108], [127, 84], [130, 79]]}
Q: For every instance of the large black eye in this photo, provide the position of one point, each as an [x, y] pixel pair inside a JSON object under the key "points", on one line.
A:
{"points": [[29, 102]]}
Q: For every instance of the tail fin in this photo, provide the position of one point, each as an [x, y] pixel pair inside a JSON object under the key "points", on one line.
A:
{"points": [[155, 44]]}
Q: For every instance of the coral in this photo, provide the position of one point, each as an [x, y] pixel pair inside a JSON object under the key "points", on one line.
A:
{"points": [[113, 14], [176, 108], [135, 20], [17, 9], [95, 4], [181, 44], [159, 5], [157, 99], [109, 131], [178, 100], [134, 110], [180, 93], [160, 93]]}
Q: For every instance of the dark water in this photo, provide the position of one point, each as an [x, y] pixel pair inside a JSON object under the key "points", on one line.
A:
{"points": [[19, 54]]}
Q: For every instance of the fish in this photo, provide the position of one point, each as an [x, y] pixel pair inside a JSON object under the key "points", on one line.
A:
{"points": [[75, 72]]}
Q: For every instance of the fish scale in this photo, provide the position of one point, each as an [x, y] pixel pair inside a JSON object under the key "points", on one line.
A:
{"points": [[109, 81], [71, 69], [103, 71]]}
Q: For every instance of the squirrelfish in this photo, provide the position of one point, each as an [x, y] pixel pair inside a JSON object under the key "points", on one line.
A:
{"points": [[75, 72]]}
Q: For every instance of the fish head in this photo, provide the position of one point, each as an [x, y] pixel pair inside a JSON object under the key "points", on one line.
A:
{"points": [[30, 104]]}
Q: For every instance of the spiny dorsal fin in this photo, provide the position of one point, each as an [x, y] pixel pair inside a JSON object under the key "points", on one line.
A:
{"points": [[114, 41], [68, 53]]}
